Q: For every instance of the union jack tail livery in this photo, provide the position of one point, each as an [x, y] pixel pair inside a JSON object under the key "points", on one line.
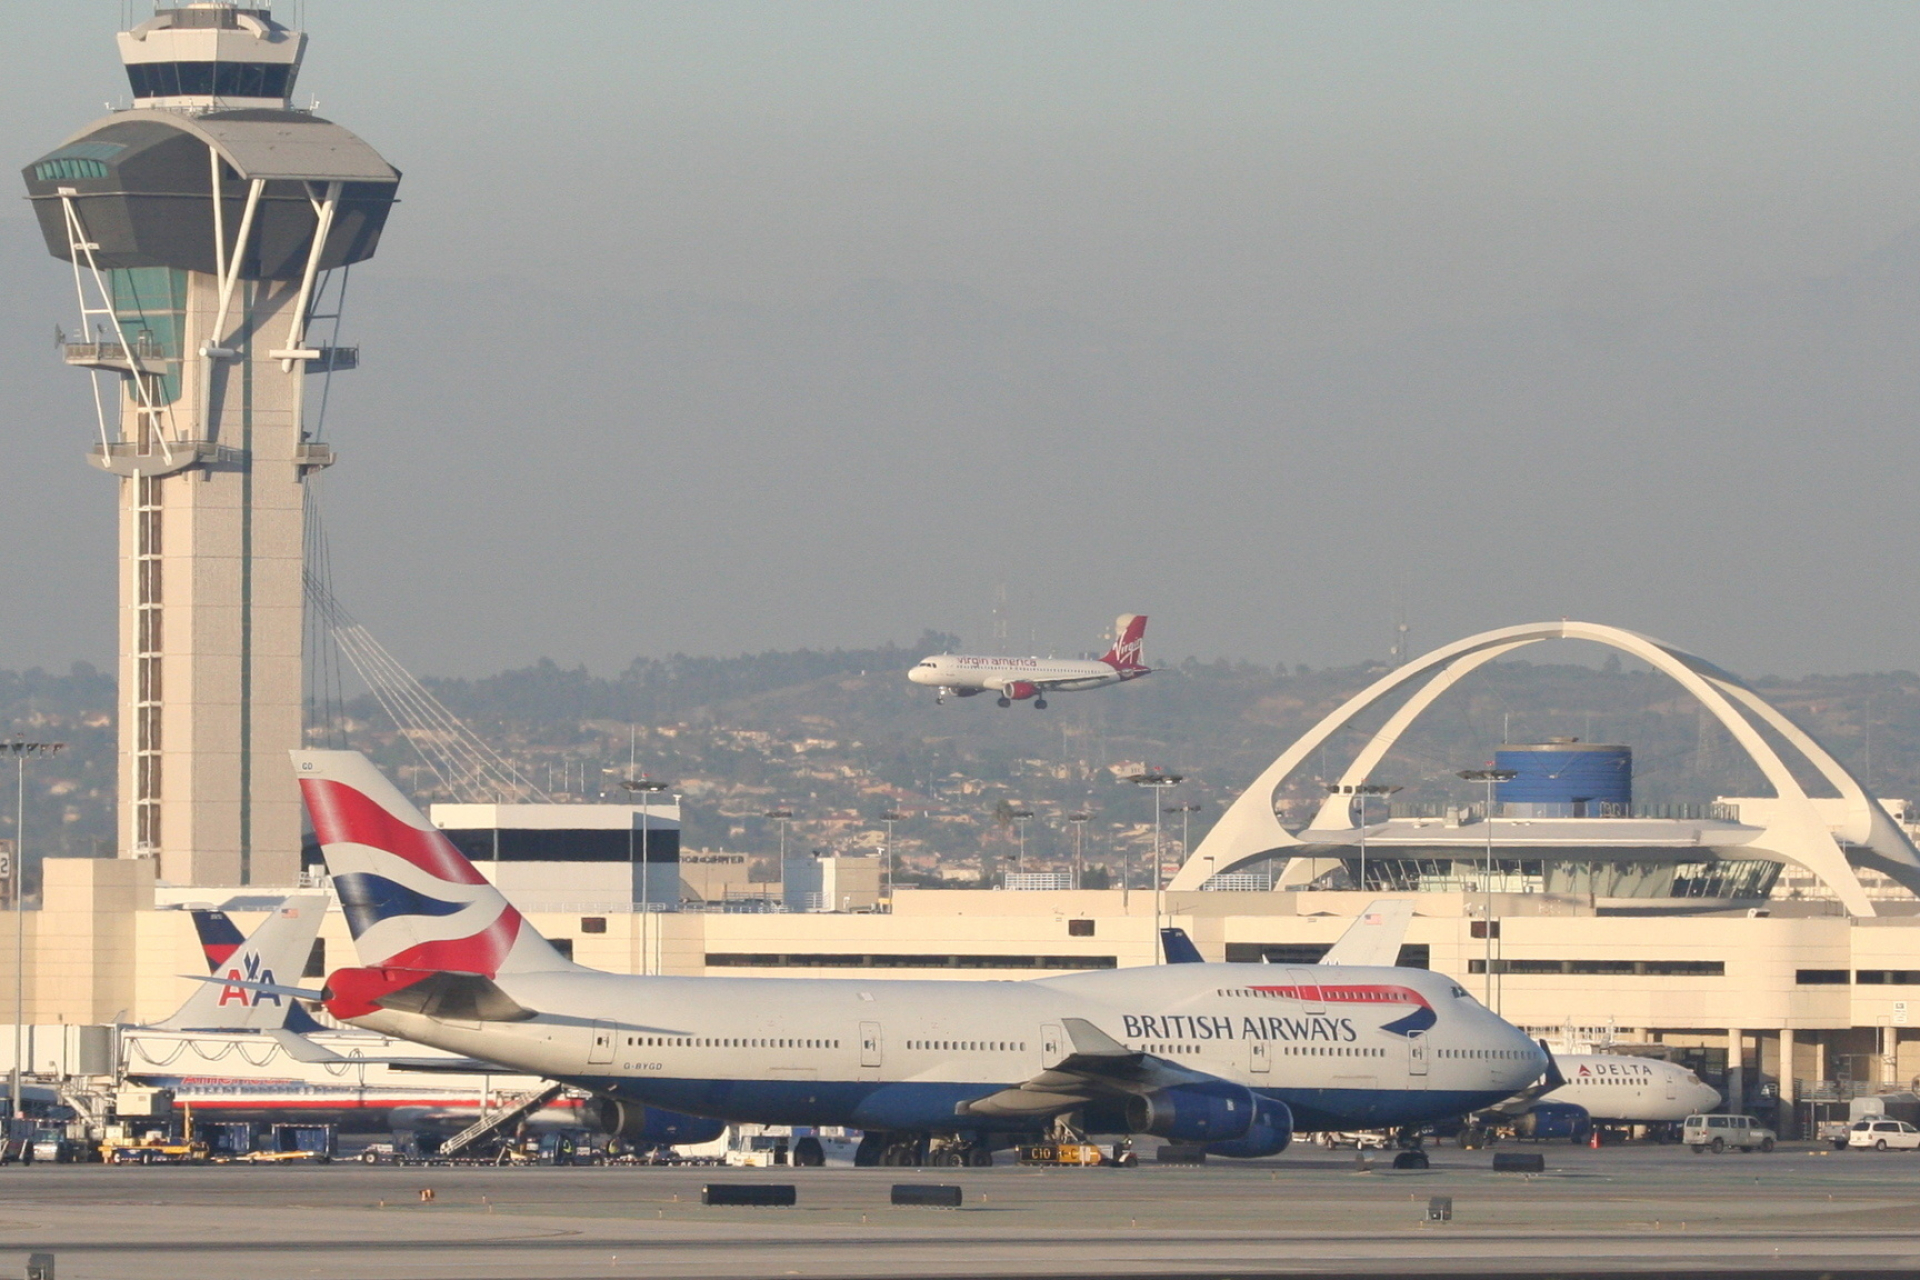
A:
{"points": [[1129, 645], [411, 899]]}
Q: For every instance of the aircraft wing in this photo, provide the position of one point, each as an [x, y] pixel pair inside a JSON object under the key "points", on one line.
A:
{"points": [[301, 1049], [1099, 1069], [1374, 939]]}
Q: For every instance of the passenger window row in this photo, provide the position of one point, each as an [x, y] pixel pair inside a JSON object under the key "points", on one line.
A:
{"points": [[1331, 1051], [1479, 1053], [723, 1042], [970, 1046]]}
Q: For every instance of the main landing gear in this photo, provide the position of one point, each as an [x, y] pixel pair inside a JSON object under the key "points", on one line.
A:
{"points": [[913, 1150], [1003, 701], [1039, 704]]}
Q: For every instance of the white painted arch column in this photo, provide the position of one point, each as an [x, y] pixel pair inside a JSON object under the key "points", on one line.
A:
{"points": [[1799, 832]]}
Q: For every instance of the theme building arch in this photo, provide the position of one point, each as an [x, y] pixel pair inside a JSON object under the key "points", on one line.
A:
{"points": [[1797, 829]]}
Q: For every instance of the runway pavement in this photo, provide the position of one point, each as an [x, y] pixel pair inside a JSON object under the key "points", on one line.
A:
{"points": [[1594, 1213]]}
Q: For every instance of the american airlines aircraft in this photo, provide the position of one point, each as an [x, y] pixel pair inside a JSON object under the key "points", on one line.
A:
{"points": [[1233, 1057], [240, 1049], [1015, 679]]}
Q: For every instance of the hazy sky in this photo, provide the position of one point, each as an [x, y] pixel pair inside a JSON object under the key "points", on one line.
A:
{"points": [[721, 327]]}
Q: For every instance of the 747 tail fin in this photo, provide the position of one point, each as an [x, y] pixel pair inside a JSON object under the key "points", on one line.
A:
{"points": [[412, 900]]}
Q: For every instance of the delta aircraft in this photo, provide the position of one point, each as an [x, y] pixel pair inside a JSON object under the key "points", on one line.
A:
{"points": [[1016, 679], [1232, 1057], [1610, 1088]]}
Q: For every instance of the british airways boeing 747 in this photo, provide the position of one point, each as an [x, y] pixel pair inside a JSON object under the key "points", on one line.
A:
{"points": [[1231, 1056]]}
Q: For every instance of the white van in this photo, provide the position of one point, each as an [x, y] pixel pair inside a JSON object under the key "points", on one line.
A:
{"points": [[1717, 1133]]}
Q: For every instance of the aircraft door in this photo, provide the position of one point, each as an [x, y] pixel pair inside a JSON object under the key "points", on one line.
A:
{"points": [[1052, 1045], [1258, 1060], [870, 1044], [600, 1045], [1673, 1084], [1417, 1059], [1307, 984]]}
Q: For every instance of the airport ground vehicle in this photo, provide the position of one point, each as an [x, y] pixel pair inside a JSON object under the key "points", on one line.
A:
{"points": [[1716, 1133], [1358, 1139], [154, 1148], [1882, 1135], [1060, 1154]]}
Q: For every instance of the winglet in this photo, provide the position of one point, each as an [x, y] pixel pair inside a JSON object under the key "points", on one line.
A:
{"points": [[301, 1049], [1374, 938], [1092, 1041], [1178, 948]]}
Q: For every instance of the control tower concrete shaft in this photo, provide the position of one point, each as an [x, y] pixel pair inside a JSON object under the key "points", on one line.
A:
{"points": [[202, 225]]}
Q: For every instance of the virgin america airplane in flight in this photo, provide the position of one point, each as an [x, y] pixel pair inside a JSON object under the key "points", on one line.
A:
{"points": [[1016, 679], [1233, 1057]]}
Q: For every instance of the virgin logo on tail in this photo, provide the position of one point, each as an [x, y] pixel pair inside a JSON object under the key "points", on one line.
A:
{"points": [[1131, 630]]}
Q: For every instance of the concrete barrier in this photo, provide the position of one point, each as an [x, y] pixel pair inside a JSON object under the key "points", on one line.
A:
{"points": [[760, 1194]]}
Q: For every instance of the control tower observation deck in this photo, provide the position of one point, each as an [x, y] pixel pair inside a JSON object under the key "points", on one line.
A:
{"points": [[204, 226]]}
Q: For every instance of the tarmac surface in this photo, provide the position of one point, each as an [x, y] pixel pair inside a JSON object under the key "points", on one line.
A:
{"points": [[1617, 1211]]}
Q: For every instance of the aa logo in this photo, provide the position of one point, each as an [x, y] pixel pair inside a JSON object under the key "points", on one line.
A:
{"points": [[247, 998]]}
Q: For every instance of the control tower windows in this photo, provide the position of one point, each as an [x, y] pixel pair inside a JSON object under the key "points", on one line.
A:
{"points": [[151, 305], [211, 79]]}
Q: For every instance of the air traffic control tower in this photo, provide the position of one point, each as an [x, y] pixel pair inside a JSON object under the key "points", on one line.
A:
{"points": [[203, 224]]}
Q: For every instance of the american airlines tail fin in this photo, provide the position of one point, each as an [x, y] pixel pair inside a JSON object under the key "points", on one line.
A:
{"points": [[220, 938], [276, 953], [1130, 637], [1374, 938], [412, 900]]}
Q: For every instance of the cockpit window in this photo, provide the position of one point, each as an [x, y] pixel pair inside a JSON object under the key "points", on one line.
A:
{"points": [[1460, 993]]}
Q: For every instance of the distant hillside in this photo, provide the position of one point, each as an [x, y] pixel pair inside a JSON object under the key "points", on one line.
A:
{"points": [[839, 737]]}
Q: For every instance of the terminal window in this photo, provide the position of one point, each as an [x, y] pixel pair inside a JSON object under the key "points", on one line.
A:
{"points": [[1622, 968], [1887, 977], [1821, 977]]}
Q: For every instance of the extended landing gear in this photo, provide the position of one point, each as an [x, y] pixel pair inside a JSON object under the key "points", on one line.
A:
{"points": [[957, 1153], [891, 1150], [1039, 704], [808, 1154], [1003, 701]]}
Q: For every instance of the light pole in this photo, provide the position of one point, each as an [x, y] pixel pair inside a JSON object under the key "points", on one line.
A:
{"points": [[1020, 819], [890, 817], [1488, 928], [17, 882], [1362, 791], [1156, 778], [1184, 810], [1079, 820], [643, 789], [783, 817]]}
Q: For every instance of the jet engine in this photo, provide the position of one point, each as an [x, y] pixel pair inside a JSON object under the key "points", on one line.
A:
{"points": [[647, 1126], [1271, 1131], [1019, 689], [1217, 1112]]}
